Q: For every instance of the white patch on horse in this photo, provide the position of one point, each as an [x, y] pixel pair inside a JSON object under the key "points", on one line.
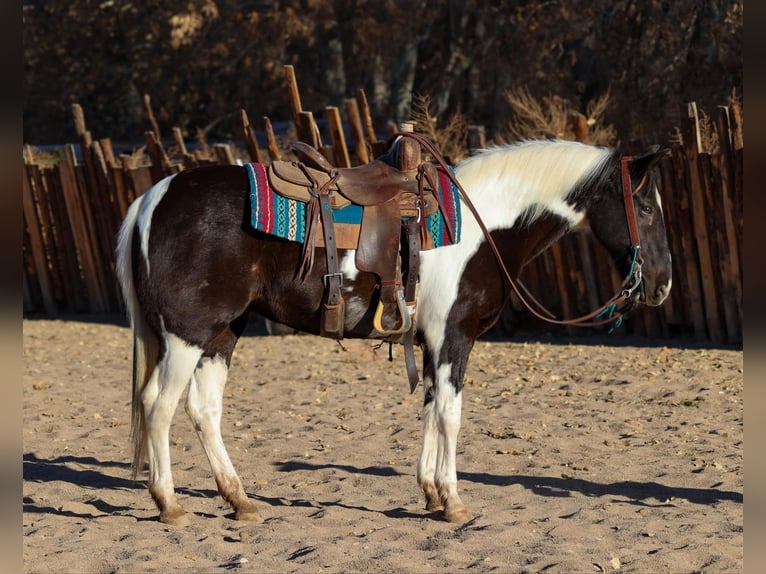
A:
{"points": [[146, 210], [503, 183], [658, 198], [356, 307], [348, 266]]}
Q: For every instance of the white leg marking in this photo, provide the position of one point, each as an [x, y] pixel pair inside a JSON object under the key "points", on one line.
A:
{"points": [[437, 468], [447, 407], [160, 398], [427, 463], [204, 405]]}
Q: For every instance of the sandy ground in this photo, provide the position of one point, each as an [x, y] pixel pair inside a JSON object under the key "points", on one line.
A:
{"points": [[572, 457]]}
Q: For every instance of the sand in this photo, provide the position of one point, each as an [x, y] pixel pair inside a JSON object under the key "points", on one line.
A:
{"points": [[585, 457]]}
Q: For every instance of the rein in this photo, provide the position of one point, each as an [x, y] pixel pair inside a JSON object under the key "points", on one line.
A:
{"points": [[605, 314]]}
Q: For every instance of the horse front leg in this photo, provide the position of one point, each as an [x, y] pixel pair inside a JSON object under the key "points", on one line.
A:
{"points": [[437, 468], [427, 464]]}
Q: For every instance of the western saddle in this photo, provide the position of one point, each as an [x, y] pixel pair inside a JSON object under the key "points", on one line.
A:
{"points": [[397, 192]]}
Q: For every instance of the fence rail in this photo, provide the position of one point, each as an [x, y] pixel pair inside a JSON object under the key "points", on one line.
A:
{"points": [[73, 209]]}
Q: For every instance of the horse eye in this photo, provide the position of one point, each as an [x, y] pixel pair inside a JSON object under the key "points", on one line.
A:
{"points": [[647, 210]]}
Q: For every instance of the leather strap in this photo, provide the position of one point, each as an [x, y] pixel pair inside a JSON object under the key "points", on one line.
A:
{"points": [[411, 229], [332, 325], [332, 279], [627, 196]]}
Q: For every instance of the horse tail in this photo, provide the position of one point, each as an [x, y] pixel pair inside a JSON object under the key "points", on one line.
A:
{"points": [[145, 341]]}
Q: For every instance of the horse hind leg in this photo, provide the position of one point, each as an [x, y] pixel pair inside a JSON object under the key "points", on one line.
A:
{"points": [[204, 405], [159, 399]]}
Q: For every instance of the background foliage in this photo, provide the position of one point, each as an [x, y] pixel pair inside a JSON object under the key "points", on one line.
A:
{"points": [[201, 61]]}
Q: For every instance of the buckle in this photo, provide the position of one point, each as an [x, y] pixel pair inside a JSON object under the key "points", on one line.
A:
{"points": [[326, 278]]}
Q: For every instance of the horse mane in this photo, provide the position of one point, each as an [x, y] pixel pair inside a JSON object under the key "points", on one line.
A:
{"points": [[531, 177]]}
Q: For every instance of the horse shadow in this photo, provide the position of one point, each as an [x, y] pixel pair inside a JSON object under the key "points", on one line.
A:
{"points": [[634, 492], [94, 476], [628, 492], [98, 478]]}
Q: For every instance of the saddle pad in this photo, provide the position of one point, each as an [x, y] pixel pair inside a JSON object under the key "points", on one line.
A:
{"points": [[286, 218]]}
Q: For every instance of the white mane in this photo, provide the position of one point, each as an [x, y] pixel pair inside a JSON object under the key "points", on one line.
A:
{"points": [[505, 181]]}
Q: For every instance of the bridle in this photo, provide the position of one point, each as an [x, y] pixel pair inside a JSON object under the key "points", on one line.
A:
{"points": [[611, 311], [608, 312]]}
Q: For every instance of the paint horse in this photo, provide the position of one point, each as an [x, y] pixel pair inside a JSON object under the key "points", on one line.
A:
{"points": [[191, 269]]}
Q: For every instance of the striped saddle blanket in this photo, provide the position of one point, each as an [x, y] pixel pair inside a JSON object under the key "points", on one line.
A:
{"points": [[286, 218]]}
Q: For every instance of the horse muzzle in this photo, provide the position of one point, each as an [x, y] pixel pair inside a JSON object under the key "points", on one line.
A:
{"points": [[658, 295]]}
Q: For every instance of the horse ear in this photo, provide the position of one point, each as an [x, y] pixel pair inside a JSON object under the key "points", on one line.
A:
{"points": [[648, 159]]}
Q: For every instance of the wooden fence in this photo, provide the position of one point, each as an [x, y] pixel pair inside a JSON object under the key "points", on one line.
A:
{"points": [[73, 209]]}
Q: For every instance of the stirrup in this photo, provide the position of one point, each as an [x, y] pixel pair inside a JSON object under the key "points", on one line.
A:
{"points": [[404, 314]]}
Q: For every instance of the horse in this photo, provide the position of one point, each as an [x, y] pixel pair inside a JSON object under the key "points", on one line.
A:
{"points": [[191, 270]]}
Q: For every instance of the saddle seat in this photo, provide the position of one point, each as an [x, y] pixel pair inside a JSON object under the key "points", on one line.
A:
{"points": [[370, 184]]}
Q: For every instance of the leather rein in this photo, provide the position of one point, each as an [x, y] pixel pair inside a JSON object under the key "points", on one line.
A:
{"points": [[605, 314]]}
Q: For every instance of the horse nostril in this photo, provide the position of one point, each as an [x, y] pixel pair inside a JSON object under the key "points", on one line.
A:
{"points": [[662, 291]]}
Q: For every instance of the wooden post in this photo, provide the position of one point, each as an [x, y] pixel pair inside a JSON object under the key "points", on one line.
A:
{"points": [[126, 168], [250, 141], [731, 274], [150, 116], [106, 211], [271, 140], [340, 151], [39, 261], [309, 132], [673, 312], [179, 139], [699, 203], [80, 220], [294, 97], [121, 190], [141, 178], [476, 138], [66, 253], [84, 140], [224, 155], [689, 280], [106, 148], [357, 131], [564, 284], [579, 125], [364, 110], [160, 166]]}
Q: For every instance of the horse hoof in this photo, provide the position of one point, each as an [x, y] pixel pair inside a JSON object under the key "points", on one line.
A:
{"points": [[175, 518], [434, 506], [457, 516], [250, 515]]}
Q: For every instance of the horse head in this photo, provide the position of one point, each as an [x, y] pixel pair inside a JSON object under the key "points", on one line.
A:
{"points": [[609, 215]]}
